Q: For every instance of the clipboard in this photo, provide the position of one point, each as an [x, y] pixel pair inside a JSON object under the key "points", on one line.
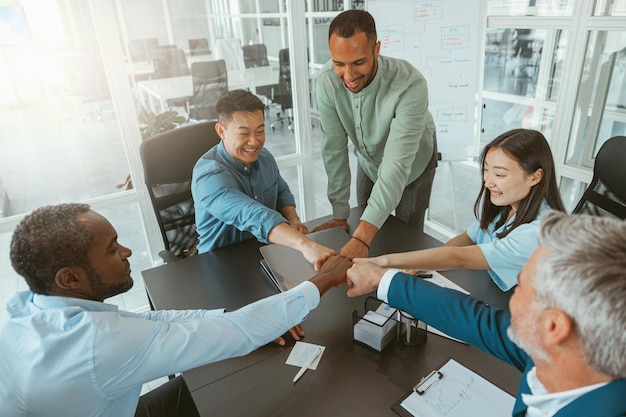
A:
{"points": [[454, 390], [422, 385]]}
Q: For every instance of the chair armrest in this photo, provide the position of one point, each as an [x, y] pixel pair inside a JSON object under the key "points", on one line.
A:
{"points": [[168, 256]]}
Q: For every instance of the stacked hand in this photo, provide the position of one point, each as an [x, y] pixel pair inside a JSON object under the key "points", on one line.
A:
{"points": [[363, 277], [332, 273]]}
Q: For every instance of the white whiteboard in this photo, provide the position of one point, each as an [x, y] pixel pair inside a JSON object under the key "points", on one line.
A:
{"points": [[442, 39]]}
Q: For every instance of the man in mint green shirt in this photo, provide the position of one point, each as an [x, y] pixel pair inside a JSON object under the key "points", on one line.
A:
{"points": [[381, 105]]}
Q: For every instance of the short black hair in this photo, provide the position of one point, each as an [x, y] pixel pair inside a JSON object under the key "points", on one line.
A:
{"points": [[238, 101], [347, 24], [48, 239]]}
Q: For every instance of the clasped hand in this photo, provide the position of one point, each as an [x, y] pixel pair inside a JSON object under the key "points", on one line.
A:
{"points": [[363, 277], [337, 266]]}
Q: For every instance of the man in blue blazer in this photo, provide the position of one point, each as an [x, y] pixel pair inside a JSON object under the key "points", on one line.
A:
{"points": [[567, 320]]}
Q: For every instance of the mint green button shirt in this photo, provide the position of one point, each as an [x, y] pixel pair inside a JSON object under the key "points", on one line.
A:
{"points": [[390, 126]]}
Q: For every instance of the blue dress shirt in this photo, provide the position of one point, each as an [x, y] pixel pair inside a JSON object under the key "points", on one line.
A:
{"points": [[234, 202], [507, 256], [71, 357]]}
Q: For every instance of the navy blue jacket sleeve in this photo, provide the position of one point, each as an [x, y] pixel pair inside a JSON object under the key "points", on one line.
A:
{"points": [[457, 315]]}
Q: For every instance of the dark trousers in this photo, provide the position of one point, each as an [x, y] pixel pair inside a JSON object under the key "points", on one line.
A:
{"points": [[171, 399], [415, 198]]}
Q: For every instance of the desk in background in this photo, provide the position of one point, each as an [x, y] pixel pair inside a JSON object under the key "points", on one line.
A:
{"points": [[155, 93], [351, 379]]}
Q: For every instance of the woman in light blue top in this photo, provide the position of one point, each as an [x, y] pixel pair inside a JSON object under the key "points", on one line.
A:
{"points": [[519, 185]]}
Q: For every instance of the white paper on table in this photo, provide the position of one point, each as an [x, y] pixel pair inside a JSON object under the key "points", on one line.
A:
{"points": [[460, 393], [302, 352], [444, 282]]}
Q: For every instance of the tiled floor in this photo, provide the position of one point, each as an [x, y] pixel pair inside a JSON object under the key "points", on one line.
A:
{"points": [[67, 161]]}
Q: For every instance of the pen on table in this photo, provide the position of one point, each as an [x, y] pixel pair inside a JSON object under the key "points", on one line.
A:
{"points": [[423, 275], [307, 364]]}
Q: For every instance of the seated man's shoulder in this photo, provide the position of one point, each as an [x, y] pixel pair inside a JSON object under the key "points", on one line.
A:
{"points": [[210, 162]]}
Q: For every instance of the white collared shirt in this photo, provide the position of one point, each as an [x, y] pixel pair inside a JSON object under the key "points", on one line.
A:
{"points": [[541, 403]]}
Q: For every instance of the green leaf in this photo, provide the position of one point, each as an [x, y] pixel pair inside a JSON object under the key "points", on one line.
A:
{"points": [[151, 124]]}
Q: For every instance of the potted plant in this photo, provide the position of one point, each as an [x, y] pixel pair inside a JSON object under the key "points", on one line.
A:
{"points": [[151, 124]]}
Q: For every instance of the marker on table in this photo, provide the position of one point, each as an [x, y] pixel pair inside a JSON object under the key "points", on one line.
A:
{"points": [[307, 364]]}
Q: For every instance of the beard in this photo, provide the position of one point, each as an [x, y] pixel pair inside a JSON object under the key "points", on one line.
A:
{"points": [[530, 345], [107, 290]]}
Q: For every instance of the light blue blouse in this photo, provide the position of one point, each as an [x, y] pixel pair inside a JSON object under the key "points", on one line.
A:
{"points": [[507, 256]]}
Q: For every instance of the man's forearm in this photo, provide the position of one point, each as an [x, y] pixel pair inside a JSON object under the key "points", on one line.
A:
{"points": [[365, 232]]}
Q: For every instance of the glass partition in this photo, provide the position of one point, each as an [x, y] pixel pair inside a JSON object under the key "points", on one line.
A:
{"points": [[512, 60], [530, 7], [601, 100], [610, 8], [56, 114], [190, 26], [571, 192], [522, 79], [319, 43]]}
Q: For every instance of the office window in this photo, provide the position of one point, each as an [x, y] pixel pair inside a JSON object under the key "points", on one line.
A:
{"points": [[61, 140], [274, 34], [578, 101], [571, 191], [600, 111], [328, 5], [243, 6], [144, 20], [319, 43], [269, 6], [530, 7], [523, 69], [188, 20], [513, 59], [500, 116], [610, 8]]}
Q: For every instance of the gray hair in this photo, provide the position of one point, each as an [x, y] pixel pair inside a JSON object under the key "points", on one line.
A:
{"points": [[584, 275]]}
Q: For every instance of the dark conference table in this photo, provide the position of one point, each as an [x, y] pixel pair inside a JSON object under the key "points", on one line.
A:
{"points": [[351, 379]]}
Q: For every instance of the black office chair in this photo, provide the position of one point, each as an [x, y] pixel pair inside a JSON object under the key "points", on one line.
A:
{"points": [[606, 194], [210, 83], [284, 96], [169, 61], [255, 55], [198, 47], [168, 160]]}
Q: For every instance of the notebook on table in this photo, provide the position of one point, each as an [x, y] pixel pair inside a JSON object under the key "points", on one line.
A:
{"points": [[287, 267]]}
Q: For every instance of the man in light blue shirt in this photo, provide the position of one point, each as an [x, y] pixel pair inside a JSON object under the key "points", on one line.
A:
{"points": [[67, 353], [238, 191]]}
